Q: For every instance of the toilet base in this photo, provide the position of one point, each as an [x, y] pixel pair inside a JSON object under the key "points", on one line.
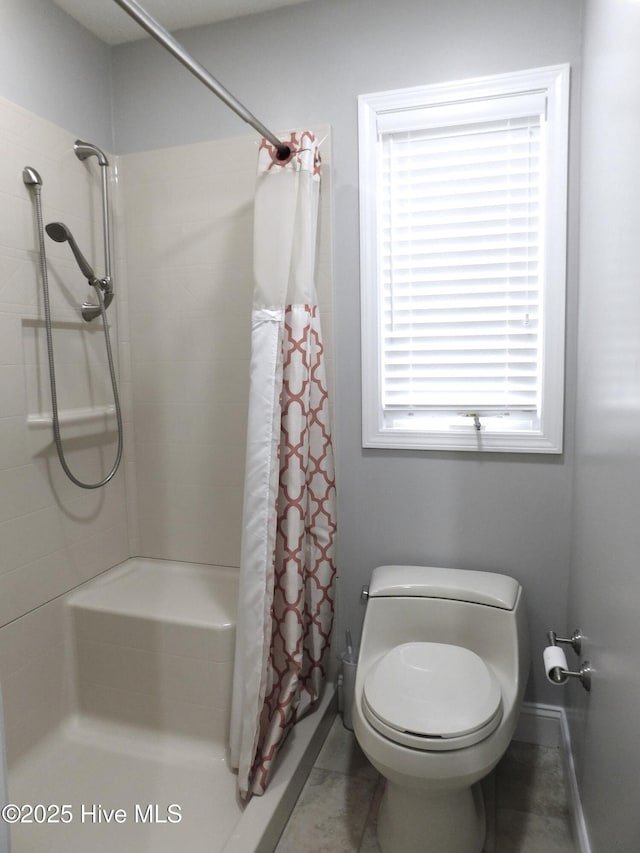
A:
{"points": [[415, 821]]}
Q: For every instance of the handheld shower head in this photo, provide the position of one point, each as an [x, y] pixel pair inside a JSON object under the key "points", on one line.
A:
{"points": [[59, 232]]}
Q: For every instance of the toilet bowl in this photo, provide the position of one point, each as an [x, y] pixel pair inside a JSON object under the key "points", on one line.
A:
{"points": [[443, 664]]}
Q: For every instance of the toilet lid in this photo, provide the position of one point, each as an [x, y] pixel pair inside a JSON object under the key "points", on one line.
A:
{"points": [[432, 691]]}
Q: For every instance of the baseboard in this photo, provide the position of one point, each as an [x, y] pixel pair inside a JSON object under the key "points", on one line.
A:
{"points": [[580, 832], [546, 725], [540, 724]]}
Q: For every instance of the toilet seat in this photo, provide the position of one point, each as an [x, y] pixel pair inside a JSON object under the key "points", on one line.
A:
{"points": [[432, 696]]}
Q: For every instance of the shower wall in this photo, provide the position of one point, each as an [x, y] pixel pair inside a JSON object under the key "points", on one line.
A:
{"points": [[190, 283], [53, 535], [184, 287], [188, 219]]}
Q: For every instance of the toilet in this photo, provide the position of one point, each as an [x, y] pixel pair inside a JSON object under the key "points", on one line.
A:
{"points": [[443, 664]]}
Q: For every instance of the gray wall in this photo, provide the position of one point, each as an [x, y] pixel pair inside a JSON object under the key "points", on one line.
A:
{"points": [[52, 66], [307, 64], [605, 582]]}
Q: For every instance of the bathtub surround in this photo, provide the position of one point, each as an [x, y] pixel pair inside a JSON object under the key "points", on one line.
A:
{"points": [[138, 753], [188, 222], [189, 359], [54, 535], [187, 240]]}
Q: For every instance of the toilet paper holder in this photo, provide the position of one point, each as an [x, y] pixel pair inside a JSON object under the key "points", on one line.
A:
{"points": [[558, 674], [574, 640]]}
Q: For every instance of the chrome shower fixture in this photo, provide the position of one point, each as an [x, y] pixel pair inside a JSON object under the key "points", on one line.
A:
{"points": [[88, 149], [31, 177], [84, 150], [59, 232]]}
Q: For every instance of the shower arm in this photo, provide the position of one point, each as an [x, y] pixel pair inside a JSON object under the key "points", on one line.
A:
{"points": [[132, 8]]}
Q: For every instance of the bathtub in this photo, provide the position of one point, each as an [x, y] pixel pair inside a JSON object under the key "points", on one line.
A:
{"points": [[141, 757]]}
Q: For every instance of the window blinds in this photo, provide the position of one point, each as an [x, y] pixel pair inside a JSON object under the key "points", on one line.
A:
{"points": [[459, 255]]}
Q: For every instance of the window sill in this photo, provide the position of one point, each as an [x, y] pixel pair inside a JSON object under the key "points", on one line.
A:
{"points": [[460, 439]]}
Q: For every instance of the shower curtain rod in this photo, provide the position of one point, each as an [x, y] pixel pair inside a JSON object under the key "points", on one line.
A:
{"points": [[165, 38]]}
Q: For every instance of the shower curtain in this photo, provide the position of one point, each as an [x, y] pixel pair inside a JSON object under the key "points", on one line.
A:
{"points": [[287, 567]]}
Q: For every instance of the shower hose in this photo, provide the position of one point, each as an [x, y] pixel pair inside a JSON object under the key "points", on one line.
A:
{"points": [[52, 372]]}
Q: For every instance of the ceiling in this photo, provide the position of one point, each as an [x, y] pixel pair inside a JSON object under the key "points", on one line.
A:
{"points": [[111, 24]]}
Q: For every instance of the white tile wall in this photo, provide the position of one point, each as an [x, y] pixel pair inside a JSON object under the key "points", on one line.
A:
{"points": [[36, 671], [189, 234], [53, 535], [46, 523], [154, 647]]}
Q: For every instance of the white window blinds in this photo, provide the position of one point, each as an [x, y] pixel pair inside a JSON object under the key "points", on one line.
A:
{"points": [[463, 247], [459, 261]]}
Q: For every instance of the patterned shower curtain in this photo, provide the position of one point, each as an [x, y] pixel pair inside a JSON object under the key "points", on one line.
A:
{"points": [[287, 560]]}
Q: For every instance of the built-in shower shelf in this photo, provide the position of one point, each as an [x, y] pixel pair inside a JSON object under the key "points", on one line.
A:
{"points": [[71, 416]]}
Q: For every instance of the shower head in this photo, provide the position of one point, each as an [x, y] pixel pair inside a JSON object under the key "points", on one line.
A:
{"points": [[88, 149], [59, 232]]}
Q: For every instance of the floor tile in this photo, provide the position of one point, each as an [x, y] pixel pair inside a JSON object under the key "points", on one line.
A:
{"points": [[370, 838], [330, 815], [489, 795], [526, 801], [531, 779], [342, 754], [525, 832]]}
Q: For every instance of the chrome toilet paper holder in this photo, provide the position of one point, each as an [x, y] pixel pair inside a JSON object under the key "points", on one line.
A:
{"points": [[574, 640], [559, 675]]}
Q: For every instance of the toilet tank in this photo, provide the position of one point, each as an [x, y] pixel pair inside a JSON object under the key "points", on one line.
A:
{"points": [[481, 611], [494, 590]]}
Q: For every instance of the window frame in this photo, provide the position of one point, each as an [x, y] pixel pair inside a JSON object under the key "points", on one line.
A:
{"points": [[545, 435]]}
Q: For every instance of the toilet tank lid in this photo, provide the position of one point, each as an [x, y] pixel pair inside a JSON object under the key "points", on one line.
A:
{"points": [[488, 588]]}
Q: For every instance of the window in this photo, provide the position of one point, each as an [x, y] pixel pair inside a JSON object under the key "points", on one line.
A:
{"points": [[463, 205]]}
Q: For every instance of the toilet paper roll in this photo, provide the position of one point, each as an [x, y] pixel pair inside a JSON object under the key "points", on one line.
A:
{"points": [[553, 657]]}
